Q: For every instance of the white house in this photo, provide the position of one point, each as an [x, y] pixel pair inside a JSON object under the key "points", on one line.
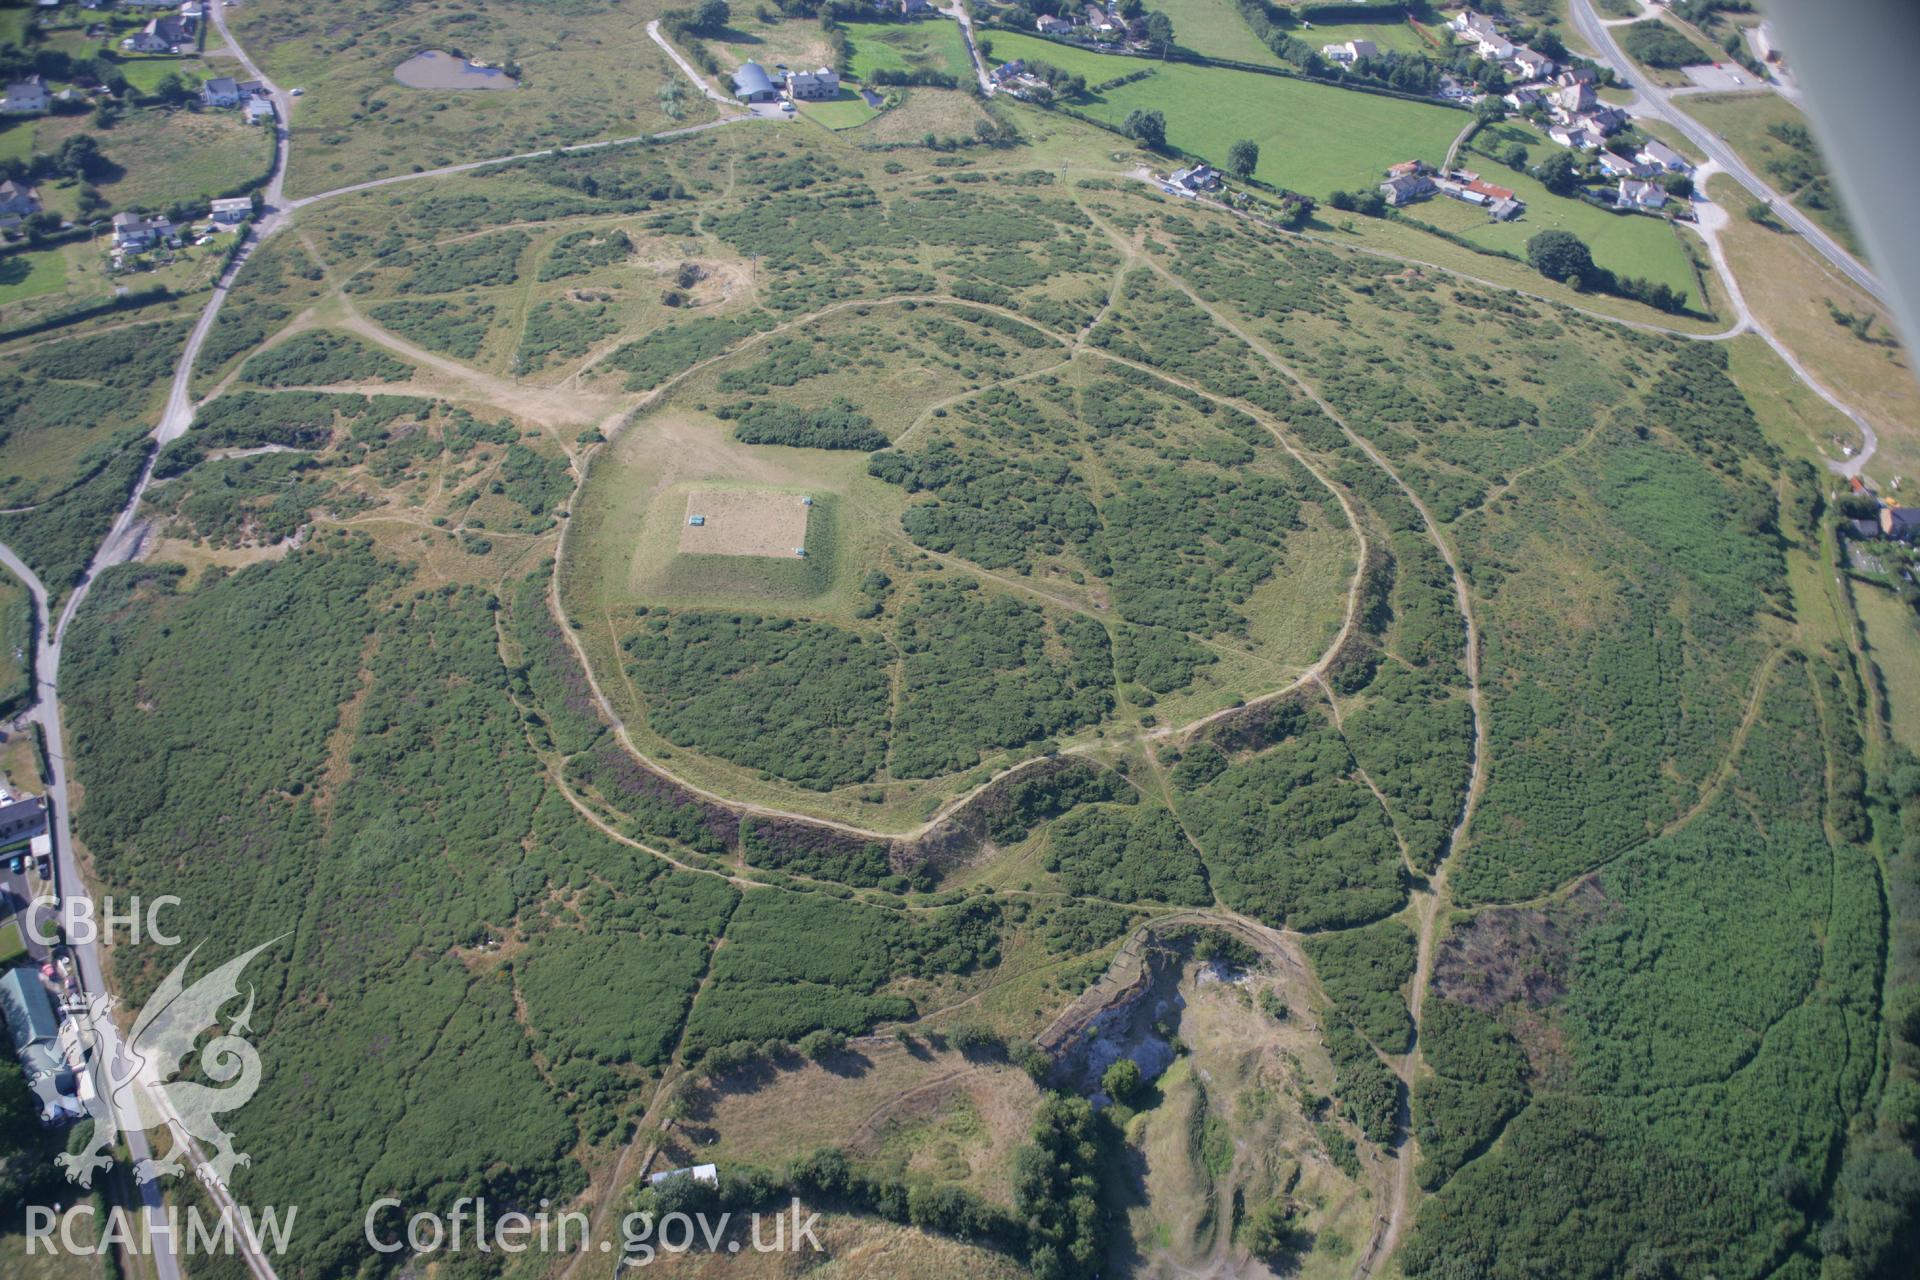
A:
{"points": [[18, 200], [1048, 25], [1604, 120], [1575, 97], [813, 85], [1497, 48], [1198, 178], [1350, 52], [1618, 166], [161, 35], [231, 213], [1529, 65], [25, 98], [1661, 156], [1575, 135], [221, 91], [136, 234], [1635, 194], [1404, 188], [1473, 28]]}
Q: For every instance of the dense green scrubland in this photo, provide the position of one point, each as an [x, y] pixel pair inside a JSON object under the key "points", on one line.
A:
{"points": [[1673, 886]]}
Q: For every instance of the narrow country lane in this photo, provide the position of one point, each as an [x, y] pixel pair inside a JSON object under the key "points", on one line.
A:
{"points": [[45, 712]]}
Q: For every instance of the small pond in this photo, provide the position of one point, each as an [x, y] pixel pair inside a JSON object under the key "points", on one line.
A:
{"points": [[437, 69]]}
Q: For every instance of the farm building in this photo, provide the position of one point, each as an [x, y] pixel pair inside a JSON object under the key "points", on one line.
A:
{"points": [[750, 84], [34, 1027], [1404, 188], [1900, 522], [1198, 178]]}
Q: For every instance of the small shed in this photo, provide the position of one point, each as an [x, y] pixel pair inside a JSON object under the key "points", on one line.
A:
{"points": [[696, 520]]}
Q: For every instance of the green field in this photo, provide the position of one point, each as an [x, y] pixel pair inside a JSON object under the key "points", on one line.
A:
{"points": [[16, 140], [15, 20], [1630, 244], [1215, 29], [1894, 642], [161, 156], [31, 274], [16, 638], [932, 44], [848, 111], [1392, 37], [1313, 138], [145, 74]]}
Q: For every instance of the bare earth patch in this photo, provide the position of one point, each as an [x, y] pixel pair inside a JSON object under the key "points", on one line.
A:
{"points": [[744, 522]]}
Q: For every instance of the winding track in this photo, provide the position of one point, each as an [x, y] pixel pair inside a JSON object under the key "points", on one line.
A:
{"points": [[123, 542]]}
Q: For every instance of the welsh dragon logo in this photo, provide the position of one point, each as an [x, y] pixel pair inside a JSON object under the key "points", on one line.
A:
{"points": [[130, 1076]]}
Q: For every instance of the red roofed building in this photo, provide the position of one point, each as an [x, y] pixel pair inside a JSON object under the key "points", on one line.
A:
{"points": [[1488, 190]]}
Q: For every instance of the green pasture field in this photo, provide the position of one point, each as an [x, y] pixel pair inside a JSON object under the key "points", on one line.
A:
{"points": [[16, 638], [1389, 236], [1392, 37], [31, 274], [16, 140], [767, 37], [1894, 643], [931, 44], [1313, 138], [167, 156], [145, 74], [587, 73], [848, 111], [1213, 29], [15, 21], [1629, 244]]}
